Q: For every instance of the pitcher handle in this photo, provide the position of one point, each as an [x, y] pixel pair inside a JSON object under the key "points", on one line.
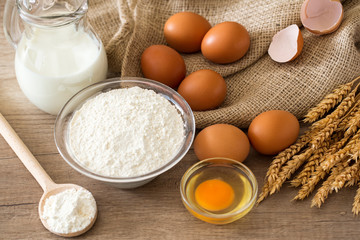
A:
{"points": [[12, 23]]}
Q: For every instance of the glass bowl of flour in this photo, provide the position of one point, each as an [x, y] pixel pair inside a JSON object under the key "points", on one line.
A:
{"points": [[124, 131]]}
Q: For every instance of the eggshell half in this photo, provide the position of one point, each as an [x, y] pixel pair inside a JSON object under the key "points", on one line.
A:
{"points": [[321, 16], [286, 44]]}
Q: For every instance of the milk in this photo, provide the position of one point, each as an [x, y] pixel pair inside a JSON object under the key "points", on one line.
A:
{"points": [[51, 65]]}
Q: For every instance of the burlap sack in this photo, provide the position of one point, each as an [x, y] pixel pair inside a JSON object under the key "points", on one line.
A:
{"points": [[255, 83]]}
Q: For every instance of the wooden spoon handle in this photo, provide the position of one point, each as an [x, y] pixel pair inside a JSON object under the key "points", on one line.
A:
{"points": [[25, 155]]}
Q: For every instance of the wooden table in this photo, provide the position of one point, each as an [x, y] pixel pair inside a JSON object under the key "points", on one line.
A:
{"points": [[154, 211]]}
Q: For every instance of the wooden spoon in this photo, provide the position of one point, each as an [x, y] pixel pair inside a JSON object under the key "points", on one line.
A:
{"points": [[50, 188]]}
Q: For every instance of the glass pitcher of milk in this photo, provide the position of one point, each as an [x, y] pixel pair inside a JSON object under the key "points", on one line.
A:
{"points": [[57, 52]]}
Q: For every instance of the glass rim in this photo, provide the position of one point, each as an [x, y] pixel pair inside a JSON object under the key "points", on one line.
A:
{"points": [[179, 155], [56, 20], [247, 172]]}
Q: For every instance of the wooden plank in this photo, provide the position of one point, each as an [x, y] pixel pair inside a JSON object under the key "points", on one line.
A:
{"points": [[154, 211]]}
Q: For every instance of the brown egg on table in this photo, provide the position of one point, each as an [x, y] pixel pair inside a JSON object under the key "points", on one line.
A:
{"points": [[321, 16], [286, 45], [225, 42], [184, 31], [203, 90], [163, 64], [222, 140], [273, 131]]}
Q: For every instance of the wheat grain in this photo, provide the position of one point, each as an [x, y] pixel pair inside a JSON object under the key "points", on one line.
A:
{"points": [[329, 102], [316, 158], [350, 148], [343, 125], [264, 192], [278, 162], [338, 113], [326, 188], [324, 134], [346, 175], [285, 155], [290, 168], [353, 122], [356, 204], [319, 172]]}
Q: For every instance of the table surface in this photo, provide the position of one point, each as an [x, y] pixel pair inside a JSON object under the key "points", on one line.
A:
{"points": [[153, 211]]}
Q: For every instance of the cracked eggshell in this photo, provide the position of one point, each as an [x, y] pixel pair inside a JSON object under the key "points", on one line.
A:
{"points": [[321, 16], [286, 44]]}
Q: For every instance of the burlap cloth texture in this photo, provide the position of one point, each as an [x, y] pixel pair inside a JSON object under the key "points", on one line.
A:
{"points": [[255, 83]]}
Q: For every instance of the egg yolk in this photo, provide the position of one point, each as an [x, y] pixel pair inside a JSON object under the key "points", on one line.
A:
{"points": [[214, 195]]}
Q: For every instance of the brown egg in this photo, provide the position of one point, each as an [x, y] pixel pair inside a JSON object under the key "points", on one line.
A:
{"points": [[163, 64], [203, 90], [273, 131], [222, 140], [184, 31], [225, 43]]}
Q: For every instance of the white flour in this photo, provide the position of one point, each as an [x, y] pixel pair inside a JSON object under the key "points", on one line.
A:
{"points": [[69, 211], [126, 132]]}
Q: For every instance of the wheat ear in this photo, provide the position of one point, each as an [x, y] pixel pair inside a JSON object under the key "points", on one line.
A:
{"points": [[314, 161], [350, 148], [319, 172], [329, 102], [290, 168], [356, 204], [339, 112], [350, 172], [326, 188]]}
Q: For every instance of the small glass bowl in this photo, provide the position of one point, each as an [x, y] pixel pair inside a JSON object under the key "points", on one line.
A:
{"points": [[64, 117], [232, 172]]}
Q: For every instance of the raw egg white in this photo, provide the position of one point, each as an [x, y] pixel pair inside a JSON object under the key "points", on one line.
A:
{"points": [[203, 90]]}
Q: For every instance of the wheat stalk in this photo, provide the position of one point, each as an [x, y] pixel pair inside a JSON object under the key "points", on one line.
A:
{"points": [[346, 175], [356, 204], [329, 102], [350, 148], [343, 125], [316, 158], [308, 169], [331, 147], [353, 122], [326, 188], [290, 168], [264, 193], [324, 134], [285, 155], [319, 172], [339, 112], [278, 162]]}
